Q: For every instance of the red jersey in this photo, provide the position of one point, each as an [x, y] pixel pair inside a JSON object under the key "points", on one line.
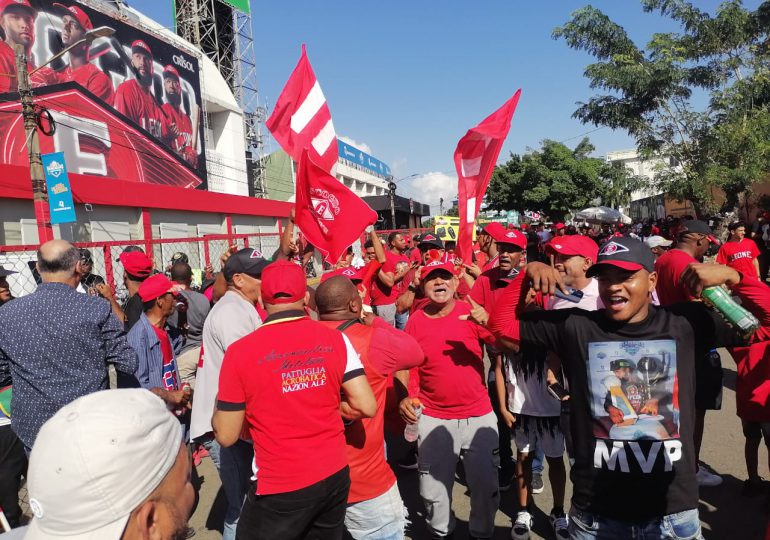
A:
{"points": [[488, 287], [740, 256], [451, 376], [182, 144], [92, 79], [382, 295], [669, 267], [383, 351], [138, 104], [287, 376], [8, 81], [491, 263]]}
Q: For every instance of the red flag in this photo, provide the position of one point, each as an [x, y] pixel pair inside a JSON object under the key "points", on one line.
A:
{"points": [[330, 215], [301, 118], [475, 158]]}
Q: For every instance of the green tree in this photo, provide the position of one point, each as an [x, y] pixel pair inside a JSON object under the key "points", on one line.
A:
{"points": [[650, 93], [556, 180]]}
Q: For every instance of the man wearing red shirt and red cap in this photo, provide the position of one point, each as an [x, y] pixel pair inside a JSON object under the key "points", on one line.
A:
{"points": [[457, 415], [134, 98], [180, 127], [283, 383], [136, 268], [155, 342], [17, 19], [75, 24], [375, 508]]}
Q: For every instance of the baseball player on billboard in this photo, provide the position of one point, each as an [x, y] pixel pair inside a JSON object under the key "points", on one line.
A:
{"points": [[133, 97], [180, 130], [17, 20], [75, 24]]}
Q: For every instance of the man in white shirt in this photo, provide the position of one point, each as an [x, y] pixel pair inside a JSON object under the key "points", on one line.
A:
{"points": [[233, 317]]}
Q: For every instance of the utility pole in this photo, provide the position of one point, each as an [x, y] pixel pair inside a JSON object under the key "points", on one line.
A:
{"points": [[441, 206], [392, 187], [39, 190]]}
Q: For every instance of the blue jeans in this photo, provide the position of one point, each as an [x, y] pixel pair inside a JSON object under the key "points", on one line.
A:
{"points": [[401, 320], [234, 466], [680, 526], [381, 518], [537, 460]]}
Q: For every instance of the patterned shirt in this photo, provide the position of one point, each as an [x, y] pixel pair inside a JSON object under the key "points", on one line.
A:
{"points": [[150, 372], [58, 343]]}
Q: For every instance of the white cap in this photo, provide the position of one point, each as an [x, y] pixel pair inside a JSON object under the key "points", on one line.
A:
{"points": [[96, 460], [657, 241]]}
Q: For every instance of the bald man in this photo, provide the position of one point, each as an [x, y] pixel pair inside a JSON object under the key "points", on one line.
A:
{"points": [[58, 342], [374, 502]]}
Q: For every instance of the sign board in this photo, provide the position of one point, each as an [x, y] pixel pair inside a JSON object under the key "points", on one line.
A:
{"points": [[362, 159], [143, 81], [57, 182], [448, 227], [242, 5]]}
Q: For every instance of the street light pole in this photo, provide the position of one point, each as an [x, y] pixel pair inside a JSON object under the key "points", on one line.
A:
{"points": [[39, 191], [392, 188]]}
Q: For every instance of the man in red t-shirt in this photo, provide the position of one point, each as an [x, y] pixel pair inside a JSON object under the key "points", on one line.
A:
{"points": [[134, 98], [456, 414], [283, 382], [739, 252], [693, 240], [386, 285], [374, 503], [180, 127]]}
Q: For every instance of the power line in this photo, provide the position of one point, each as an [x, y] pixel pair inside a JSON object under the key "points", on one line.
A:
{"points": [[583, 134]]}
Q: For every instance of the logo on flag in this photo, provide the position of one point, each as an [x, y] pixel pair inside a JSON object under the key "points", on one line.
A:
{"points": [[325, 204], [613, 247], [55, 169]]}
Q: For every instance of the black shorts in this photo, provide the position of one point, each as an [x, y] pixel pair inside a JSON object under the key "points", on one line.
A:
{"points": [[756, 430], [708, 382]]}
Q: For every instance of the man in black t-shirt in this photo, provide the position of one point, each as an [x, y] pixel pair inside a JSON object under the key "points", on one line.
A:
{"points": [[627, 482]]}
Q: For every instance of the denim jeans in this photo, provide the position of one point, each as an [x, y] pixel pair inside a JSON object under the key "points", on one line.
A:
{"points": [[381, 518], [401, 320], [680, 526], [234, 466]]}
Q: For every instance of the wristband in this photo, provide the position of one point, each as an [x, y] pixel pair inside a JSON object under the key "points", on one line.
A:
{"points": [[412, 288]]}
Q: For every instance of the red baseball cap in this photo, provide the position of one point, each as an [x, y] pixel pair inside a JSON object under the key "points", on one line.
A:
{"points": [[350, 272], [574, 245], [136, 263], [170, 71], [510, 236], [433, 266], [494, 229], [78, 14], [140, 46], [283, 282], [154, 287], [559, 226], [5, 4]]}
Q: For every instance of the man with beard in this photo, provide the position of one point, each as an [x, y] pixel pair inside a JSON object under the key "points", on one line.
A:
{"points": [[180, 127], [75, 24], [133, 97], [17, 19]]}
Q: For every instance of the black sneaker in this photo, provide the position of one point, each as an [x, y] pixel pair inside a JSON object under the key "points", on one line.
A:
{"points": [[537, 483], [753, 487], [409, 461]]}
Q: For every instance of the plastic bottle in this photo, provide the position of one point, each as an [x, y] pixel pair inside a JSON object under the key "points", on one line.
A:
{"points": [[739, 317], [410, 431]]}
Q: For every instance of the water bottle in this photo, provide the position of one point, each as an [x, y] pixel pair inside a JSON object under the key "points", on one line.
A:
{"points": [[410, 431], [737, 316]]}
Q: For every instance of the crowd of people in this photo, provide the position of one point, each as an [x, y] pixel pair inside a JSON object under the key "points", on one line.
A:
{"points": [[566, 343]]}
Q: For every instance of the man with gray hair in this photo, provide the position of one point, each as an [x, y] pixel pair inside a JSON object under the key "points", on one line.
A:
{"points": [[58, 342]]}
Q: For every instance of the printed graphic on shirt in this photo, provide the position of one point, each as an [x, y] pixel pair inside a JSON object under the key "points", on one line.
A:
{"points": [[302, 379], [169, 375], [633, 390]]}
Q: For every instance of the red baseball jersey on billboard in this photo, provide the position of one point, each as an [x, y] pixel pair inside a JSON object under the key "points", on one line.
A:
{"points": [[8, 67], [181, 144], [138, 104], [92, 79]]}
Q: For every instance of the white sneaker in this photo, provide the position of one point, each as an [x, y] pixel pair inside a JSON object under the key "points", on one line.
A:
{"points": [[707, 478], [522, 526], [560, 524]]}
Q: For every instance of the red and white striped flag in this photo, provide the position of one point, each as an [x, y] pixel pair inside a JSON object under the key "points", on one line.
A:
{"points": [[301, 118], [475, 158]]}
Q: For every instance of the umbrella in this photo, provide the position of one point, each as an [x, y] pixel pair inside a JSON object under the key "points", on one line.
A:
{"points": [[602, 214]]}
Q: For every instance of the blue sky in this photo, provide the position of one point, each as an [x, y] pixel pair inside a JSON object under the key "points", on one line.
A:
{"points": [[406, 79]]}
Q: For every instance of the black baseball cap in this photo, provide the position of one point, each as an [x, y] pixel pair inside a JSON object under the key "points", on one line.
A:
{"points": [[247, 261], [179, 257], [6, 273], [696, 226], [430, 239], [623, 252], [618, 364]]}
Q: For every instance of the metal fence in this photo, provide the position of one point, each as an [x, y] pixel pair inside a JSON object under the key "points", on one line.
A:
{"points": [[201, 252]]}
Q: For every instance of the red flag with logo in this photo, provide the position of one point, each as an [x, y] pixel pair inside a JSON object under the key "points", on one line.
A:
{"points": [[475, 158], [329, 215], [301, 118]]}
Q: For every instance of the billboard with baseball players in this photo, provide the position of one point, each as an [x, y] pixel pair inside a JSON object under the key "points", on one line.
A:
{"points": [[133, 86]]}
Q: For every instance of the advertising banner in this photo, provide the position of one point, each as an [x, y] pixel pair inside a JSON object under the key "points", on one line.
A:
{"points": [[358, 157], [146, 85], [59, 191]]}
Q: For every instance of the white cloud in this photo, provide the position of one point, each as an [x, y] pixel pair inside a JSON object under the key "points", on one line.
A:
{"points": [[430, 187], [360, 145]]}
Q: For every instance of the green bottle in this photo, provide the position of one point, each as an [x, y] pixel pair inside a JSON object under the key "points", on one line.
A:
{"points": [[736, 315]]}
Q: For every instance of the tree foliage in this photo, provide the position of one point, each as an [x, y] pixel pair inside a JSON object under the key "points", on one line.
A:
{"points": [[653, 93], [556, 180]]}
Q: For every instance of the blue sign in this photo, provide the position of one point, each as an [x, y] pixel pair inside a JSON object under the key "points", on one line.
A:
{"points": [[59, 190], [354, 155]]}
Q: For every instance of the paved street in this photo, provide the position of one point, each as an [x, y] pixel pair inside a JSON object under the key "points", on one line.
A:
{"points": [[725, 513]]}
